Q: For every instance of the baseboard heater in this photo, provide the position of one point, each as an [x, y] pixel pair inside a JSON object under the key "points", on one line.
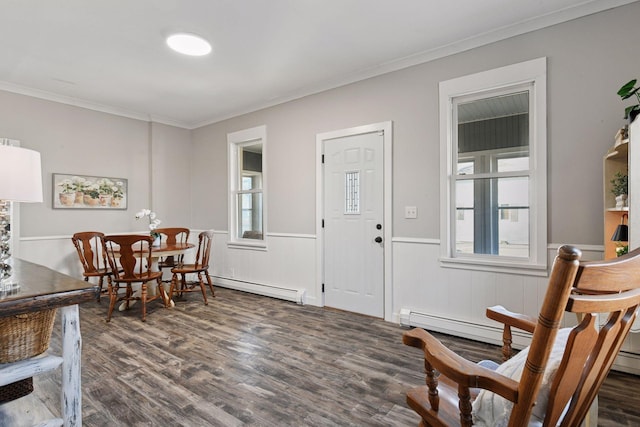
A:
{"points": [[287, 294], [461, 328], [625, 362]]}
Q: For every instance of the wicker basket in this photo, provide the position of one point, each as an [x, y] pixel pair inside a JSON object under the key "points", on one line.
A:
{"points": [[16, 390], [25, 335]]}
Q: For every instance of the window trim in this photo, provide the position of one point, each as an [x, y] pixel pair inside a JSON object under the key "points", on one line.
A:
{"points": [[235, 141], [532, 72]]}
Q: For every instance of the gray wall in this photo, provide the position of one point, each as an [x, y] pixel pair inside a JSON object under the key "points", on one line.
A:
{"points": [[75, 140], [588, 60]]}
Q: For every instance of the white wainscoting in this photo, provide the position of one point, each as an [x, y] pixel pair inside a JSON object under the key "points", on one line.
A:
{"points": [[55, 252], [454, 301], [286, 269], [424, 294]]}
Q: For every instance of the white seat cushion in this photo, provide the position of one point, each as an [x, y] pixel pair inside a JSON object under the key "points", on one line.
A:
{"points": [[492, 410]]}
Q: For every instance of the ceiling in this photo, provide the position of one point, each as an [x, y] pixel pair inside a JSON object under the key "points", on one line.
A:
{"points": [[110, 55]]}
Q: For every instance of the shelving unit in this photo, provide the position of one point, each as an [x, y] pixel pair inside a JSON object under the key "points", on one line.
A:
{"points": [[42, 288], [616, 160]]}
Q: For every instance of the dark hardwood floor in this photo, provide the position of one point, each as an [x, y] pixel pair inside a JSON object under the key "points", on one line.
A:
{"points": [[251, 360]]}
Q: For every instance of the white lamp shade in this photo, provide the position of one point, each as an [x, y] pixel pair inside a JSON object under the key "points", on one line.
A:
{"points": [[20, 174]]}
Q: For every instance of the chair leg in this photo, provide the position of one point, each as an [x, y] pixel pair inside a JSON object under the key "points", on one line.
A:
{"points": [[174, 280], [127, 296], [143, 300], [206, 273], [202, 289], [100, 282], [163, 294], [183, 283], [113, 296]]}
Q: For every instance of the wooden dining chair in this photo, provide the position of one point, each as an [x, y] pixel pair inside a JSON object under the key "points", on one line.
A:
{"points": [[172, 236], [199, 267], [130, 259], [93, 257], [555, 380]]}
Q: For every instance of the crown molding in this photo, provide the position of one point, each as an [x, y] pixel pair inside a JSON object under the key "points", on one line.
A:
{"points": [[586, 8]]}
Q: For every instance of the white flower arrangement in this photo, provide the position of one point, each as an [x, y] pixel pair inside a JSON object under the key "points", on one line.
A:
{"points": [[67, 186], [79, 183], [118, 189], [154, 222]]}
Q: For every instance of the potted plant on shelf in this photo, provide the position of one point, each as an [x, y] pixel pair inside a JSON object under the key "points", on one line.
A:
{"points": [[620, 188], [626, 92], [622, 249]]}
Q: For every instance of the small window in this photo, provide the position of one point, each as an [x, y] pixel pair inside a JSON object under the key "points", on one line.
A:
{"points": [[352, 193], [246, 187], [493, 129]]}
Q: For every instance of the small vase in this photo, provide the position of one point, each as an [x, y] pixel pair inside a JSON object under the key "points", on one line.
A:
{"points": [[105, 199], [621, 201], [67, 199], [115, 202], [156, 242], [79, 197], [90, 201]]}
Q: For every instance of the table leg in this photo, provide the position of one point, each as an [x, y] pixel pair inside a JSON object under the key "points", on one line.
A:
{"points": [[151, 289], [71, 398]]}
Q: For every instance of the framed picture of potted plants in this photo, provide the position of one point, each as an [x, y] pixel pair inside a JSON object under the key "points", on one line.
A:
{"points": [[88, 192]]}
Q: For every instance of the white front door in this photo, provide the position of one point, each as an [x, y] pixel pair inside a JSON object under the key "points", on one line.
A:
{"points": [[354, 223]]}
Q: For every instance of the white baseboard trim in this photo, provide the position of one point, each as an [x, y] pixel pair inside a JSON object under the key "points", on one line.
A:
{"points": [[295, 295], [627, 362], [460, 328]]}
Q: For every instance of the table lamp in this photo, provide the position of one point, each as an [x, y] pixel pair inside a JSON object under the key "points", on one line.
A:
{"points": [[20, 181], [622, 231]]}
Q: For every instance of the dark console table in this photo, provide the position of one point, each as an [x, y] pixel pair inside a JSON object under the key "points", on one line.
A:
{"points": [[42, 288]]}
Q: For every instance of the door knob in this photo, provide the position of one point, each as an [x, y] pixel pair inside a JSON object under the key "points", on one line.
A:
{"points": [[378, 239]]}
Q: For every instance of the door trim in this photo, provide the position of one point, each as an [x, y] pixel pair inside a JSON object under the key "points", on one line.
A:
{"points": [[387, 129]]}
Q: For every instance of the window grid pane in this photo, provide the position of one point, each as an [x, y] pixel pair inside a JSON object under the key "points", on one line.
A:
{"points": [[352, 193], [250, 215], [492, 217]]}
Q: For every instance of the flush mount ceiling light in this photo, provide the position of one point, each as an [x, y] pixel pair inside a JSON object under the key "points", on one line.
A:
{"points": [[189, 44]]}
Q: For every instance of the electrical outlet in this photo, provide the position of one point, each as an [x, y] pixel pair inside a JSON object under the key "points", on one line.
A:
{"points": [[410, 212]]}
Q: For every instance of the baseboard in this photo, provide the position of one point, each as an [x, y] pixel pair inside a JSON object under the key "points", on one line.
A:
{"points": [[459, 328], [627, 362], [287, 294]]}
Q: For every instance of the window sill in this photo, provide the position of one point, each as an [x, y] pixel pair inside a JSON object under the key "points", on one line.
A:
{"points": [[243, 244], [495, 266]]}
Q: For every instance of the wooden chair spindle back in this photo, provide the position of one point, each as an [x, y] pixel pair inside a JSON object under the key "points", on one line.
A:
{"points": [[129, 255], [90, 245]]}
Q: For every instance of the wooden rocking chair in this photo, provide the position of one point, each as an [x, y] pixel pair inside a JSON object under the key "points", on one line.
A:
{"points": [[558, 377]]}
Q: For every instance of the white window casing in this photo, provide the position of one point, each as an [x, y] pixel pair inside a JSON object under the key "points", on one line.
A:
{"points": [[526, 76], [249, 200]]}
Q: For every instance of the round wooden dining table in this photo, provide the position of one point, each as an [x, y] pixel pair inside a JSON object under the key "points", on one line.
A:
{"points": [[163, 250]]}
